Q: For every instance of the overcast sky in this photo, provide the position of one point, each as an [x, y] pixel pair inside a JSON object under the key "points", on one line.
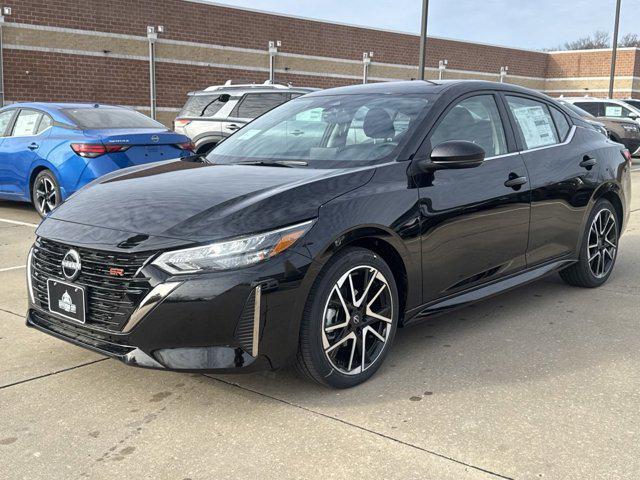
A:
{"points": [[533, 24]]}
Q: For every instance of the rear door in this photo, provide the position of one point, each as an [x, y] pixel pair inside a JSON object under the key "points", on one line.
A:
{"points": [[250, 106], [562, 161], [19, 150], [475, 221]]}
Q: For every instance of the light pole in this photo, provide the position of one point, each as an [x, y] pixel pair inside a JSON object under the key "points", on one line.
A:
{"points": [[614, 51], [423, 37], [442, 66], [273, 51], [366, 61], [503, 73], [152, 35], [6, 11]]}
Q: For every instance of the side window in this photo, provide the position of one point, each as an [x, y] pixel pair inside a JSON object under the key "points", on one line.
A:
{"points": [[255, 104], [535, 122], [561, 123], [45, 123], [592, 107], [26, 123], [296, 95], [5, 118], [476, 120], [616, 111]]}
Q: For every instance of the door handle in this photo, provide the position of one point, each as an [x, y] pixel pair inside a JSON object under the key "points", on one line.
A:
{"points": [[33, 146], [515, 182], [233, 126], [588, 162]]}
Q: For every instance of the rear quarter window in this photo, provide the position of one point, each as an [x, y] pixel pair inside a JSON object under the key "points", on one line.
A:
{"points": [[203, 105], [562, 125]]}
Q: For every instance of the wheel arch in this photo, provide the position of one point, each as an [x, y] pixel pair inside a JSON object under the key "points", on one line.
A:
{"points": [[382, 242], [612, 192]]}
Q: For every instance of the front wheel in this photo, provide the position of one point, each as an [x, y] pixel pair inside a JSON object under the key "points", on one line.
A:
{"points": [[349, 321], [599, 248], [45, 193]]}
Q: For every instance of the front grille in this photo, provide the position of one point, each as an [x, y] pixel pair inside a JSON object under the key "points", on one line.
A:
{"points": [[110, 299]]}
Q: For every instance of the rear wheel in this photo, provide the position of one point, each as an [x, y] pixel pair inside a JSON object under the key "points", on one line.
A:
{"points": [[350, 320], [599, 248], [45, 193]]}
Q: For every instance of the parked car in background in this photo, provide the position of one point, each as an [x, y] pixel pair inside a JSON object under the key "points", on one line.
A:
{"points": [[634, 102], [50, 150], [621, 130], [391, 202], [216, 112]]}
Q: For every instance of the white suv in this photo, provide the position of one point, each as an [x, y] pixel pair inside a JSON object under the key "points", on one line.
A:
{"points": [[216, 112], [605, 107]]}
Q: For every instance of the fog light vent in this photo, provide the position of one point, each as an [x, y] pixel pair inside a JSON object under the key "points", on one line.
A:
{"points": [[248, 329]]}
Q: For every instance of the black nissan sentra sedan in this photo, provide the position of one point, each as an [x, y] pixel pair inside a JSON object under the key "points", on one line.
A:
{"points": [[314, 232]]}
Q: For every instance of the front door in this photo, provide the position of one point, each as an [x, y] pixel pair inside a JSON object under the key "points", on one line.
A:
{"points": [[475, 221], [562, 177]]}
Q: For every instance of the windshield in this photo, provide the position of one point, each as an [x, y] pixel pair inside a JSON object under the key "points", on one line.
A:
{"points": [[338, 129], [110, 117], [576, 109]]}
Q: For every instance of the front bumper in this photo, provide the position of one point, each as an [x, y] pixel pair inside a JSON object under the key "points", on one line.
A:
{"points": [[244, 320]]}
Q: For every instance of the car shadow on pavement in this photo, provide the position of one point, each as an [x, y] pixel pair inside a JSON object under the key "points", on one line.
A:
{"points": [[545, 329]]}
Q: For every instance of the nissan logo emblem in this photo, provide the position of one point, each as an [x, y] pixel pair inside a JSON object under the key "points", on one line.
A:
{"points": [[155, 138], [71, 265]]}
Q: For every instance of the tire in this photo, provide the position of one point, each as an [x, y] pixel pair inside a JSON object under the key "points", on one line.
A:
{"points": [[45, 193], [330, 351], [591, 274]]}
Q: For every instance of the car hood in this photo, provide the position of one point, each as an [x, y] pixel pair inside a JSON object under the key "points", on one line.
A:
{"points": [[201, 202]]}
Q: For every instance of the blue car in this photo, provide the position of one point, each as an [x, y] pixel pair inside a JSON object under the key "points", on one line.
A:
{"points": [[50, 150]]}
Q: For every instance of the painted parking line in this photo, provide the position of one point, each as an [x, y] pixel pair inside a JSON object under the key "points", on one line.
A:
{"points": [[16, 222], [12, 268]]}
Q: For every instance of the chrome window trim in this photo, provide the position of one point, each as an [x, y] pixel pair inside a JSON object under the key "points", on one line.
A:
{"points": [[565, 142]]}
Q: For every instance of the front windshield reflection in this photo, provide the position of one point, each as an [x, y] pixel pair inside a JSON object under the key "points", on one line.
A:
{"points": [[334, 128]]}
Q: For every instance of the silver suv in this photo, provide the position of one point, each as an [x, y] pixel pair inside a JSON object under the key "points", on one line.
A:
{"points": [[216, 112]]}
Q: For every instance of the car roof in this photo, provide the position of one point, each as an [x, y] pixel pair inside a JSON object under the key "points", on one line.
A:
{"points": [[591, 99], [58, 105], [426, 87], [241, 89], [55, 108]]}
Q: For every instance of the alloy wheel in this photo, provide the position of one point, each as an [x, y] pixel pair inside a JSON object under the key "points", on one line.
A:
{"points": [[357, 320], [46, 195], [602, 243]]}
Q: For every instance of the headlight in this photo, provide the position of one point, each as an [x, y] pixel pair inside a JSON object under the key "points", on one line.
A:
{"points": [[230, 254], [629, 127]]}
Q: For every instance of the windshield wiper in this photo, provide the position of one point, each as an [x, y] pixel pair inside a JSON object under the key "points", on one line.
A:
{"points": [[276, 163]]}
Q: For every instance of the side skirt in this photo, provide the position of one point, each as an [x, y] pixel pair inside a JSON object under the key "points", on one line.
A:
{"points": [[463, 299]]}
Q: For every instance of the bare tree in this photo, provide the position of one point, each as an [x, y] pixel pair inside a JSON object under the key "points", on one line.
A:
{"points": [[599, 39], [629, 40]]}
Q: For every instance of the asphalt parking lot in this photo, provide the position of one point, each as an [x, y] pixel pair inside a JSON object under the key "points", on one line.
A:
{"points": [[539, 383]]}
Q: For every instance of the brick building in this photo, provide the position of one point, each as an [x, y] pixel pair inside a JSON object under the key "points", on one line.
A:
{"points": [[97, 51]]}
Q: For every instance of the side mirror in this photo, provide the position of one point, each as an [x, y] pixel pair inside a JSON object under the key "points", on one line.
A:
{"points": [[633, 116], [224, 98], [457, 154]]}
